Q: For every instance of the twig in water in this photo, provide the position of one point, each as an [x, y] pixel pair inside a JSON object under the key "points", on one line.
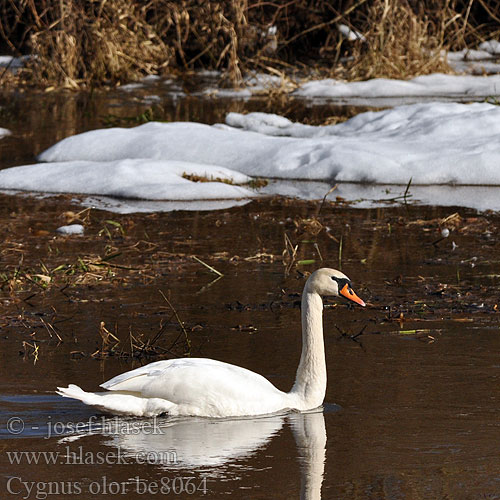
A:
{"points": [[85, 211], [317, 250], [158, 335], [106, 342], [340, 253], [207, 266], [35, 348], [407, 189], [206, 287], [292, 253], [181, 324], [331, 190], [404, 196], [50, 328], [354, 337]]}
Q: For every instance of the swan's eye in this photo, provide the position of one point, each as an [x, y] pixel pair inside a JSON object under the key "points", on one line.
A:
{"points": [[342, 282]]}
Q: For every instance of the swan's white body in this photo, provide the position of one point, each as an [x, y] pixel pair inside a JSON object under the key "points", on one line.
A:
{"points": [[209, 388]]}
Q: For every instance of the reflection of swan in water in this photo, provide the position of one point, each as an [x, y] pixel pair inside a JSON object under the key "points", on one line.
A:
{"points": [[204, 443], [310, 437], [199, 442]]}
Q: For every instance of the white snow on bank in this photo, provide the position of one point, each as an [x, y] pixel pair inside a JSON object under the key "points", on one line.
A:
{"points": [[437, 84], [481, 61], [490, 46], [253, 85], [4, 132], [13, 63], [350, 34], [143, 82], [479, 78], [432, 143], [126, 178]]}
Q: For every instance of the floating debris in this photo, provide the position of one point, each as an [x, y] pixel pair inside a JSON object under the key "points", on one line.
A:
{"points": [[71, 229]]}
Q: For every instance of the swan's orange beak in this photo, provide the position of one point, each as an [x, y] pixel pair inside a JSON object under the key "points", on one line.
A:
{"points": [[349, 294]]}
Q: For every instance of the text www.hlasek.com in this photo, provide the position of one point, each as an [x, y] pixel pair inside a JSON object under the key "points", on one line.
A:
{"points": [[40, 490], [82, 457]]}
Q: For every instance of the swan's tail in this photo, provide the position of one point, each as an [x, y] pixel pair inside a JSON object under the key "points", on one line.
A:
{"points": [[118, 403], [75, 392], [89, 398]]}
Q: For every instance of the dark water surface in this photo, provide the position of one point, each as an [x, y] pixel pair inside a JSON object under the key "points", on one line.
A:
{"points": [[411, 410], [39, 119], [411, 407]]}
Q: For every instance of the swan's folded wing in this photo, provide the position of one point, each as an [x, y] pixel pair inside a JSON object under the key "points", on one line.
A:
{"points": [[134, 380], [197, 381]]}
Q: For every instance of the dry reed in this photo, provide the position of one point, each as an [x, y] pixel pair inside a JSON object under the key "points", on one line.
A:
{"points": [[98, 42], [399, 43], [110, 43]]}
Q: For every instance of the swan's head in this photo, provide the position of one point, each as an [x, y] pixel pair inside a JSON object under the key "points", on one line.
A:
{"points": [[332, 282]]}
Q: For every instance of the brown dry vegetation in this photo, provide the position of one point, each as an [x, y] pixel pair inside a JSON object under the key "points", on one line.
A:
{"points": [[402, 43], [96, 42]]}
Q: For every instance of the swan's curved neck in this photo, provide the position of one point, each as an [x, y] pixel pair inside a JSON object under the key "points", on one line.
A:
{"points": [[310, 381]]}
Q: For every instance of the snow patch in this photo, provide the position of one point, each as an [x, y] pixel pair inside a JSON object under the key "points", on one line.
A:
{"points": [[14, 63], [127, 178], [432, 143], [252, 85], [491, 46], [350, 34], [71, 229], [4, 132], [437, 84]]}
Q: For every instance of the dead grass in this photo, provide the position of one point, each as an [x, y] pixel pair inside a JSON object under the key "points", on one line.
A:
{"points": [[400, 43], [254, 183], [85, 44], [110, 42], [202, 178]]}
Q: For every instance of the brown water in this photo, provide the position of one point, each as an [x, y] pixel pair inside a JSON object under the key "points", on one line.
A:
{"points": [[412, 402], [411, 406], [38, 119]]}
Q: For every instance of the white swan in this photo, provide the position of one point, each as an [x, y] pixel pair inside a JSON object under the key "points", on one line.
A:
{"points": [[209, 388]]}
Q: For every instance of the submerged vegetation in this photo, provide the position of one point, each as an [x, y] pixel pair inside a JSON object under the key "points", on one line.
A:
{"points": [[62, 291], [94, 43]]}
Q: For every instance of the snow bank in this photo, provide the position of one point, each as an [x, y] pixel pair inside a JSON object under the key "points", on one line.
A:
{"points": [[437, 84], [472, 85], [475, 62], [490, 46], [4, 132], [253, 84], [432, 143], [127, 178]]}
